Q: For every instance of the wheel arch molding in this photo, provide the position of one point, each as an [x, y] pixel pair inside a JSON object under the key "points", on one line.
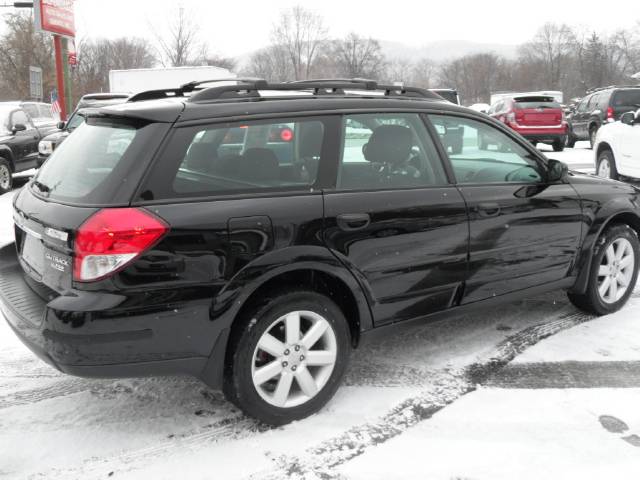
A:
{"points": [[610, 214], [294, 266]]}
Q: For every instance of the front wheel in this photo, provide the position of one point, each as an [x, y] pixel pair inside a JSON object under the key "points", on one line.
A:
{"points": [[613, 274], [6, 178], [570, 140], [558, 145], [288, 357], [606, 166]]}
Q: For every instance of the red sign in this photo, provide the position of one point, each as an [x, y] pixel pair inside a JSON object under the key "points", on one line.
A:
{"points": [[55, 16]]}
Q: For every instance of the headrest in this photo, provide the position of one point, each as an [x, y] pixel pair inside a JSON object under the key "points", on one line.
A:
{"points": [[388, 144], [260, 164]]}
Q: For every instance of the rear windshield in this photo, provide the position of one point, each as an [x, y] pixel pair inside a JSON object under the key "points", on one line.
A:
{"points": [[95, 160], [449, 95], [626, 98], [536, 102]]}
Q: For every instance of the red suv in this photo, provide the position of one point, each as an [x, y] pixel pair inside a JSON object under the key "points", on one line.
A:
{"points": [[540, 119]]}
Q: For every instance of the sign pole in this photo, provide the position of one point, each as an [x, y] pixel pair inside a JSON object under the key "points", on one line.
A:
{"points": [[67, 75], [57, 43]]}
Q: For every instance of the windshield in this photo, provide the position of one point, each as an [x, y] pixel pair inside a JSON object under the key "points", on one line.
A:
{"points": [[4, 117], [92, 163], [75, 121]]}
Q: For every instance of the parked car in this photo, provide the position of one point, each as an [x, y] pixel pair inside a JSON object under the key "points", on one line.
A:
{"points": [[40, 113], [453, 138], [598, 108], [617, 148], [19, 139], [171, 236], [538, 118], [48, 144], [481, 107]]}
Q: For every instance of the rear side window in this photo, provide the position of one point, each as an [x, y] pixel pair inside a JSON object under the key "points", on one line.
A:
{"points": [[388, 151], [626, 98], [93, 162], [239, 157]]}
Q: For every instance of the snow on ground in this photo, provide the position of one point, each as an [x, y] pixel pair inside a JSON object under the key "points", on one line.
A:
{"points": [[385, 422]]}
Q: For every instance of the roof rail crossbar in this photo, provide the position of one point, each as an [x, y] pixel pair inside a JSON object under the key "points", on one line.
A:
{"points": [[193, 86], [317, 87]]}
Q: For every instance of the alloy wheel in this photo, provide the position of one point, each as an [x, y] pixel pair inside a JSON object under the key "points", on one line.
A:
{"points": [[294, 359], [5, 177], [616, 271], [604, 169]]}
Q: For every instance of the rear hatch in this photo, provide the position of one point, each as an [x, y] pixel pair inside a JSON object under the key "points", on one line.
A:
{"points": [[98, 166], [625, 100], [537, 111]]}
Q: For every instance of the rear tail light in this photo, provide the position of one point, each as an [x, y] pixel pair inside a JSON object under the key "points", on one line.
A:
{"points": [[112, 238], [610, 114]]}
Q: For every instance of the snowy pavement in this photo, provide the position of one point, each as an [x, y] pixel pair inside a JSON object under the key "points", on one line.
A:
{"points": [[454, 399]]}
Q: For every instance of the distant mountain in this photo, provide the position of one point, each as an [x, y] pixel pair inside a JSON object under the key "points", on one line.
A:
{"points": [[445, 50]]}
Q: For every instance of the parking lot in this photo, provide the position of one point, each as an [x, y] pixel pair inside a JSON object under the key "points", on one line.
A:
{"points": [[470, 397]]}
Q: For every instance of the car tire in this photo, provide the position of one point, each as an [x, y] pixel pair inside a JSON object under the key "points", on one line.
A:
{"points": [[593, 130], [558, 145], [252, 348], [6, 176], [571, 140], [607, 270], [606, 166]]}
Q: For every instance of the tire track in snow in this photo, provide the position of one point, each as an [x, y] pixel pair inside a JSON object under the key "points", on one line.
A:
{"points": [[227, 429], [319, 462], [61, 388]]}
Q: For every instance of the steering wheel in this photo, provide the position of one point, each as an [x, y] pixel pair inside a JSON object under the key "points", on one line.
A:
{"points": [[526, 173]]}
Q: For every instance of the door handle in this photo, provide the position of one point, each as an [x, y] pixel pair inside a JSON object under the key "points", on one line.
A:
{"points": [[488, 209], [350, 222]]}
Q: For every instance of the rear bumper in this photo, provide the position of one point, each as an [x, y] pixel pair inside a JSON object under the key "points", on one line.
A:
{"points": [[541, 134], [108, 342]]}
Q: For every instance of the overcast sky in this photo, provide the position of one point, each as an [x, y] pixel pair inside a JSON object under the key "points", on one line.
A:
{"points": [[237, 27]]}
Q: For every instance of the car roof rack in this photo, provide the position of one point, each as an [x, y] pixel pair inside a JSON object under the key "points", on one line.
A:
{"points": [[316, 87], [189, 88]]}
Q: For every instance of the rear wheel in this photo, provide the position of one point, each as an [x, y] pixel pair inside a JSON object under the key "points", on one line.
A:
{"points": [[6, 178], [606, 166], [571, 140], [614, 272], [558, 145], [288, 357]]}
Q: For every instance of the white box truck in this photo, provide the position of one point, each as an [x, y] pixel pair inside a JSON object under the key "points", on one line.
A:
{"points": [[142, 79]]}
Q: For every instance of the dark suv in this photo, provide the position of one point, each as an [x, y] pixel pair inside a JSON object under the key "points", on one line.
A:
{"points": [[252, 240], [599, 107]]}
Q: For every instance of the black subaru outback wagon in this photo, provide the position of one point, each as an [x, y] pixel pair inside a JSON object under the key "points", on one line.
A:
{"points": [[251, 234]]}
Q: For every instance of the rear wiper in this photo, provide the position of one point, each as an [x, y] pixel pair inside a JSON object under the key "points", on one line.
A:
{"points": [[41, 186]]}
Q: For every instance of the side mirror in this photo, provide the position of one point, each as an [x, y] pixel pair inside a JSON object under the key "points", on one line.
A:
{"points": [[628, 118], [61, 125], [19, 127], [558, 171]]}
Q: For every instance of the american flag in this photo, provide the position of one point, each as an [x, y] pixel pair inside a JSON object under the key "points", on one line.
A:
{"points": [[56, 109]]}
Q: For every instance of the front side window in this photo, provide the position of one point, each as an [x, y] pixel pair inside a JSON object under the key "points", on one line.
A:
{"points": [[582, 107], [388, 151], [240, 157], [484, 154]]}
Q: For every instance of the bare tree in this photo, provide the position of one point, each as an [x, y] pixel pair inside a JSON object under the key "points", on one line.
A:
{"points": [[220, 61], [271, 63], [423, 73], [551, 46], [97, 57], [21, 47], [357, 57], [301, 33], [181, 45], [399, 70]]}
